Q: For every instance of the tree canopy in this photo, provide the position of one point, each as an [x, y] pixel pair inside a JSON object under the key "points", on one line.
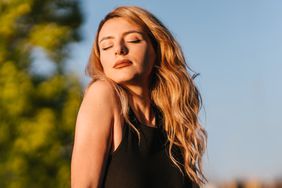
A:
{"points": [[37, 111]]}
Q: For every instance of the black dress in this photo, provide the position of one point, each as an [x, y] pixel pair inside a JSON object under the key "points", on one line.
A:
{"points": [[144, 166]]}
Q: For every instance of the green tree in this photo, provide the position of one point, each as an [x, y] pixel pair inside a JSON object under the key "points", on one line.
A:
{"points": [[37, 111]]}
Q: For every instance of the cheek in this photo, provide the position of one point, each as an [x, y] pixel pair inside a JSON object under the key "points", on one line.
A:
{"points": [[142, 54], [150, 61], [105, 61], [149, 57]]}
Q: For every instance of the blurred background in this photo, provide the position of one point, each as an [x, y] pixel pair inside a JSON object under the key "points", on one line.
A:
{"points": [[236, 46]]}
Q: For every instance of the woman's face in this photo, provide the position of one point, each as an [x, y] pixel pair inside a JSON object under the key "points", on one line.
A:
{"points": [[126, 53]]}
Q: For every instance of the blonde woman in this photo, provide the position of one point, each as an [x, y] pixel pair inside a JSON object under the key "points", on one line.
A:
{"points": [[138, 126]]}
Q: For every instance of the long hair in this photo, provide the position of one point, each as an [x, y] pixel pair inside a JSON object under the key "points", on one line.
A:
{"points": [[172, 91]]}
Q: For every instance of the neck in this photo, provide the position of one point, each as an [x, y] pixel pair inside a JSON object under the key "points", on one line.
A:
{"points": [[140, 102]]}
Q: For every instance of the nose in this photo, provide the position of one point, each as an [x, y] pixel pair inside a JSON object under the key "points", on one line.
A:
{"points": [[121, 49]]}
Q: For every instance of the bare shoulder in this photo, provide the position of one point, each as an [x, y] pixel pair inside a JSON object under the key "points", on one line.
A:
{"points": [[93, 134], [100, 90], [98, 105]]}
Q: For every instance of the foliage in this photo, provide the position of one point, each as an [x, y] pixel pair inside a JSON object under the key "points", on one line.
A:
{"points": [[37, 111]]}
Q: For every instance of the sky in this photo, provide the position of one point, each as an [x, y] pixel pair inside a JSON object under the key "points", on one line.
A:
{"points": [[236, 46]]}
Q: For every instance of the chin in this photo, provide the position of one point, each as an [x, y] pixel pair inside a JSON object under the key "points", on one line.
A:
{"points": [[125, 78], [128, 81], [124, 82]]}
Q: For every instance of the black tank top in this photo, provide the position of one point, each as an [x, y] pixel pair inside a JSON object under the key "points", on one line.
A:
{"points": [[146, 165]]}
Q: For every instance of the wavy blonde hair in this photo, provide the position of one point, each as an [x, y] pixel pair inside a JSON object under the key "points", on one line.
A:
{"points": [[172, 90]]}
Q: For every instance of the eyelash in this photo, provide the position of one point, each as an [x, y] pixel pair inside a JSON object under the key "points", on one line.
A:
{"points": [[132, 41], [135, 41], [106, 48]]}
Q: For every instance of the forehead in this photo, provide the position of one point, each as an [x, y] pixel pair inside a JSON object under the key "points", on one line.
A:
{"points": [[117, 26]]}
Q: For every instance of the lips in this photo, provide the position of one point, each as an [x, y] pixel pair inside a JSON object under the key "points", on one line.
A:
{"points": [[122, 63]]}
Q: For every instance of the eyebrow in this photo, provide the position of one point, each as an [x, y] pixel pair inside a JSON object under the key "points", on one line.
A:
{"points": [[125, 33]]}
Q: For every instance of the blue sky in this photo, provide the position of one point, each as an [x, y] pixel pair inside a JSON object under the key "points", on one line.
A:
{"points": [[236, 46]]}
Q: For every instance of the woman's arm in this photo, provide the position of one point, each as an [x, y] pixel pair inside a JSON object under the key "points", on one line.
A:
{"points": [[93, 136]]}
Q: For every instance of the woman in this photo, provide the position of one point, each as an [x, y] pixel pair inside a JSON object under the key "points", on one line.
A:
{"points": [[138, 123]]}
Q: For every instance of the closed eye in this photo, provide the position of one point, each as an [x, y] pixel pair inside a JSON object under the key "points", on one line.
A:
{"points": [[135, 41], [106, 48]]}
